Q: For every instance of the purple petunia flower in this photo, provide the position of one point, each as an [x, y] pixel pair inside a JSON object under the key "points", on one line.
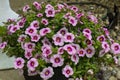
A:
{"points": [[90, 51], [115, 48], [49, 6], [70, 49], [47, 73], [93, 18], [14, 28], [74, 8], [76, 46], [106, 47], [101, 38], [22, 38], [88, 36], [44, 31], [58, 39], [35, 24], [44, 21], [67, 15], [35, 37], [86, 30], [39, 15], [75, 58], [26, 8], [30, 31], [69, 37], [3, 45], [37, 5], [88, 42], [72, 21], [60, 6], [47, 51], [78, 16], [60, 50], [45, 41], [19, 63], [32, 64], [67, 71], [50, 12], [57, 60], [81, 52], [28, 54], [63, 31], [29, 46]]}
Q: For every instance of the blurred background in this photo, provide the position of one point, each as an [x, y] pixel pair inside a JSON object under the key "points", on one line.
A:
{"points": [[100, 7]]}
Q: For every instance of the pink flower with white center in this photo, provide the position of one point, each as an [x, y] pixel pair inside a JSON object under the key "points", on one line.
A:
{"points": [[88, 42], [47, 73], [32, 64], [67, 15], [60, 50], [86, 30], [46, 52], [78, 16], [19, 63], [75, 58], [90, 51], [22, 38], [93, 19], [58, 39], [69, 37], [29, 46], [39, 15], [35, 24], [45, 41], [50, 12], [81, 52], [37, 5], [67, 71], [70, 49], [49, 6], [3, 45], [63, 31], [88, 36], [28, 54], [72, 21], [44, 21], [76, 46], [115, 48], [26, 8], [14, 28], [101, 53], [60, 6], [32, 73], [35, 37], [106, 47], [101, 38], [44, 31], [57, 60], [30, 31], [74, 8]]}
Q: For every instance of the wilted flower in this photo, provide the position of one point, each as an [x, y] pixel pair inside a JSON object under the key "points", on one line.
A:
{"points": [[75, 58], [44, 31]]}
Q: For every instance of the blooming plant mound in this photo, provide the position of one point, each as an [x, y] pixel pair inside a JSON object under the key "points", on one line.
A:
{"points": [[48, 36]]}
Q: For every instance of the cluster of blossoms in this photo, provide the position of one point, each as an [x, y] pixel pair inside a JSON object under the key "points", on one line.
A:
{"points": [[60, 35]]}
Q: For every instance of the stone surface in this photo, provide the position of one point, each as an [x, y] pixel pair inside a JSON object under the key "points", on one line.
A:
{"points": [[10, 75], [112, 78], [118, 74]]}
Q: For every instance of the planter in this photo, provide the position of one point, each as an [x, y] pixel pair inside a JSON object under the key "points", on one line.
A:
{"points": [[57, 75]]}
